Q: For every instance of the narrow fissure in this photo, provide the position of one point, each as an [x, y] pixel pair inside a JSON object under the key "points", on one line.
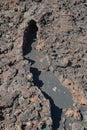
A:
{"points": [[56, 112], [30, 36]]}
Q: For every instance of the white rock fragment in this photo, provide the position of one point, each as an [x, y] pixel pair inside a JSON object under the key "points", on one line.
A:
{"points": [[55, 89]]}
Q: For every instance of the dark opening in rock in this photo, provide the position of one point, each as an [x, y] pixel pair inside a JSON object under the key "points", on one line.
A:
{"points": [[1, 113], [1, 117], [30, 35], [23, 127]]}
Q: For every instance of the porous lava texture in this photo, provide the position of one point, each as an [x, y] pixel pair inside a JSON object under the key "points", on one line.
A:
{"points": [[60, 26]]}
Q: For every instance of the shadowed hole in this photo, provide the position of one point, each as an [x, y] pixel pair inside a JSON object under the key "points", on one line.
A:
{"points": [[23, 127], [30, 35], [1, 113], [1, 117]]}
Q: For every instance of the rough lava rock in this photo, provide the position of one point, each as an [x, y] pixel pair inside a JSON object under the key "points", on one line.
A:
{"points": [[62, 36]]}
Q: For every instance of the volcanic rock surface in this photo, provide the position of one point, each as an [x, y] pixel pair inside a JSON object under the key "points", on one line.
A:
{"points": [[60, 29]]}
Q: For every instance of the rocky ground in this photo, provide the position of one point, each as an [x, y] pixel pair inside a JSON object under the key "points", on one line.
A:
{"points": [[60, 28]]}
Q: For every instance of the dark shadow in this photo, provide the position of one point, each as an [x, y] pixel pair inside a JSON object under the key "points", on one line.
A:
{"points": [[1, 114], [36, 73], [56, 112], [1, 107], [69, 63], [23, 127], [30, 34], [1, 117]]}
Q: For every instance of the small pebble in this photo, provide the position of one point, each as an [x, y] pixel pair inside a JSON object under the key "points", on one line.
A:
{"points": [[11, 24], [29, 76], [55, 89]]}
